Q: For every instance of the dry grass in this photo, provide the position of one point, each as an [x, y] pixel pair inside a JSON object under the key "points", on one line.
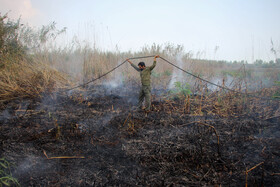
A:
{"points": [[222, 103], [28, 80], [25, 79]]}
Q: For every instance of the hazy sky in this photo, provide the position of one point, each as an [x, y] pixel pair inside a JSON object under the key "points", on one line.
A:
{"points": [[242, 29]]}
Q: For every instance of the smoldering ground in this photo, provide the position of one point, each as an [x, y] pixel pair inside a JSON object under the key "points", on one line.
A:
{"points": [[114, 145]]}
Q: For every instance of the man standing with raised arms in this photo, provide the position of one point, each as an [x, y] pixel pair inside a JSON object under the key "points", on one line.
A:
{"points": [[145, 91]]}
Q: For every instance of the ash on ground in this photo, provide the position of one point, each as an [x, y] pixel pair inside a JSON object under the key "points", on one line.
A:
{"points": [[97, 138]]}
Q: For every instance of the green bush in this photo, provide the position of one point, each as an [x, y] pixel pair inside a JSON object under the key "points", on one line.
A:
{"points": [[181, 90]]}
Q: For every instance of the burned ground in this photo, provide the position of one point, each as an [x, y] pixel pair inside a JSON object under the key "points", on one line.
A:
{"points": [[97, 138]]}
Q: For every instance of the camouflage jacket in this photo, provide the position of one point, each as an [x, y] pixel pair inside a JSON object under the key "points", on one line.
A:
{"points": [[145, 74]]}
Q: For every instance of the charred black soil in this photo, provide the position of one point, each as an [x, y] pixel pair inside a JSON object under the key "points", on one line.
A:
{"points": [[97, 138]]}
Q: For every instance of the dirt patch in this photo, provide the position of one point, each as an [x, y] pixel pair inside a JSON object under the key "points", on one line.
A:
{"points": [[111, 144]]}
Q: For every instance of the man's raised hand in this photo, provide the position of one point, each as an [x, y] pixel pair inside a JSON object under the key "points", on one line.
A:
{"points": [[157, 56], [128, 61]]}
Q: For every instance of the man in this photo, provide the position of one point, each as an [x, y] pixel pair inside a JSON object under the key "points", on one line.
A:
{"points": [[145, 74]]}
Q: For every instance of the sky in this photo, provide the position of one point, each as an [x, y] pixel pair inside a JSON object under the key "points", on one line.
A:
{"points": [[216, 29]]}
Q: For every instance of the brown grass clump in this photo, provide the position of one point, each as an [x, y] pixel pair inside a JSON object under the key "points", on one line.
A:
{"points": [[28, 80]]}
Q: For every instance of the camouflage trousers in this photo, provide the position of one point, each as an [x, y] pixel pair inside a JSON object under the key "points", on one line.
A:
{"points": [[145, 93]]}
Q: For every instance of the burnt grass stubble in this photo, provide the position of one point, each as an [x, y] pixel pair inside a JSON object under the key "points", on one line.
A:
{"points": [[123, 146]]}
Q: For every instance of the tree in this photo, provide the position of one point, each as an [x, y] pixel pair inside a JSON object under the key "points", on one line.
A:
{"points": [[259, 62]]}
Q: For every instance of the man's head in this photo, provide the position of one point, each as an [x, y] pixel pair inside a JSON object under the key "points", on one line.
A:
{"points": [[141, 65]]}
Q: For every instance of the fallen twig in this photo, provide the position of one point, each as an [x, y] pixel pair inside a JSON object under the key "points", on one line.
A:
{"points": [[272, 117], [126, 119], [247, 171], [61, 156]]}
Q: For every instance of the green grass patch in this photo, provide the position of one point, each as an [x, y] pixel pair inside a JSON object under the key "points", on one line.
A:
{"points": [[6, 178]]}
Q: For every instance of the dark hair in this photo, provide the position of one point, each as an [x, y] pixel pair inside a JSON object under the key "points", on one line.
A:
{"points": [[141, 64]]}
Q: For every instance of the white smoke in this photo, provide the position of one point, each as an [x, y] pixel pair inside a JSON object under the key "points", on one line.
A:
{"points": [[117, 78], [228, 82], [177, 74]]}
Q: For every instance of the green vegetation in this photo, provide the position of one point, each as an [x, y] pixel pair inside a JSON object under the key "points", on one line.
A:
{"points": [[181, 90], [6, 178], [269, 64]]}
